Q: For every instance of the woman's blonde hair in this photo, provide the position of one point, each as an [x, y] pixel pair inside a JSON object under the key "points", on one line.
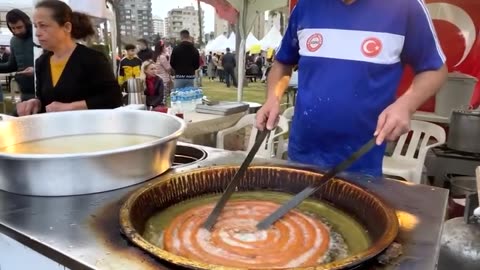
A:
{"points": [[144, 67]]}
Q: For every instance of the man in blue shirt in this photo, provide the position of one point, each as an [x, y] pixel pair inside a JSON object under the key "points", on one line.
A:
{"points": [[351, 55]]}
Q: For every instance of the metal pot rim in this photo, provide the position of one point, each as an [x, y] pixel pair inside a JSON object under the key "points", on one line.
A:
{"points": [[128, 229], [168, 138], [467, 112]]}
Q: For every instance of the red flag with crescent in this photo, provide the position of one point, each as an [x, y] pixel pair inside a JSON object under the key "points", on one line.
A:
{"points": [[224, 10], [457, 23], [292, 4]]}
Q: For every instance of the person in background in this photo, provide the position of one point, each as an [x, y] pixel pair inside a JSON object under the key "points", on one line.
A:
{"points": [[130, 65], [229, 63], [260, 63], [144, 51], [164, 70], [154, 85], [220, 70], [69, 76], [21, 57], [4, 55], [185, 60], [211, 66]]}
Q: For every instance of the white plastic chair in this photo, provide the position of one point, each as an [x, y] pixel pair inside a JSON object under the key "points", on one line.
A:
{"points": [[282, 147], [409, 166], [267, 149], [288, 113]]}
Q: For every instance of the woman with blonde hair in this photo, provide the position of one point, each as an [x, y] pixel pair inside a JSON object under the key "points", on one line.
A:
{"points": [[154, 86]]}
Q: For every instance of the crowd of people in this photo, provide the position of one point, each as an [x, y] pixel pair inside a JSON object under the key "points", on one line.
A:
{"points": [[183, 66], [67, 67]]}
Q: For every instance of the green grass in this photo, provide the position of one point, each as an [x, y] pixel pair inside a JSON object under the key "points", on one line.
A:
{"points": [[214, 90]]}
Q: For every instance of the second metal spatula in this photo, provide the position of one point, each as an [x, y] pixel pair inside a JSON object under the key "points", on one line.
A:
{"points": [[297, 199], [212, 218]]}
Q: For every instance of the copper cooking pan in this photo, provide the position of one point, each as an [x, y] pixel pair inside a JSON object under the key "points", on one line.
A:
{"points": [[377, 218]]}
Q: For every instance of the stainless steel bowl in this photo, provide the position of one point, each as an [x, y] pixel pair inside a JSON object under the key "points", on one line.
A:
{"points": [[75, 174]]}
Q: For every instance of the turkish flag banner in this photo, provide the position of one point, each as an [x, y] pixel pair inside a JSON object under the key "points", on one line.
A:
{"points": [[292, 4], [457, 23], [224, 10]]}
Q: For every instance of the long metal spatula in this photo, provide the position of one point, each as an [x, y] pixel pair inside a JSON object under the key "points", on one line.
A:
{"points": [[212, 218], [307, 192]]}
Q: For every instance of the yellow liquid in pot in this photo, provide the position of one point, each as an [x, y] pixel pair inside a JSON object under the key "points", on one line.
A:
{"points": [[78, 144]]}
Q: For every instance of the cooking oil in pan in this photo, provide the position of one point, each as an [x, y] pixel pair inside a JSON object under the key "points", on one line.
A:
{"points": [[316, 234], [76, 144]]}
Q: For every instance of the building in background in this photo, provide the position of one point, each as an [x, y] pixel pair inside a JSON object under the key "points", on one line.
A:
{"points": [[158, 26], [183, 19], [208, 37], [258, 29], [278, 18], [223, 27], [135, 20]]}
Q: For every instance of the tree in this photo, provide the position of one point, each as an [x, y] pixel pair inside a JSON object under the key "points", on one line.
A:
{"points": [[200, 24]]}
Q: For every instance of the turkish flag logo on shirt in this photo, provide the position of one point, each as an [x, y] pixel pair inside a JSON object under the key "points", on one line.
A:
{"points": [[457, 23]]}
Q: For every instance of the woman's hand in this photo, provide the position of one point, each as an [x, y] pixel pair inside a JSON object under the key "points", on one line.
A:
{"points": [[59, 107], [29, 107], [64, 107]]}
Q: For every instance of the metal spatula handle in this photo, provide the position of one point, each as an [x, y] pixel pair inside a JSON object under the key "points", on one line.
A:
{"points": [[212, 218], [307, 192]]}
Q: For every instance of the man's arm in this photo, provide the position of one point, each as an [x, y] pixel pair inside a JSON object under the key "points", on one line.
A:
{"points": [[173, 62], [196, 59], [423, 53], [277, 83], [425, 85], [278, 80], [280, 73]]}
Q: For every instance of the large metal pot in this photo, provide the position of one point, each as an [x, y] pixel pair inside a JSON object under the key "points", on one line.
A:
{"points": [[74, 174], [378, 219], [464, 131]]}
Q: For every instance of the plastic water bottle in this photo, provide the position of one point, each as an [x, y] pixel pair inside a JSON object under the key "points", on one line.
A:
{"points": [[181, 100], [173, 101], [198, 96], [188, 99], [193, 98]]}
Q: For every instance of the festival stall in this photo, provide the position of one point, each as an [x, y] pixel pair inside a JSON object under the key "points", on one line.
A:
{"points": [[243, 13]]}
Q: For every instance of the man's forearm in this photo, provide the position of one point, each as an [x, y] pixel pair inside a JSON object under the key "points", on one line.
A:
{"points": [[424, 86], [278, 79], [8, 67]]}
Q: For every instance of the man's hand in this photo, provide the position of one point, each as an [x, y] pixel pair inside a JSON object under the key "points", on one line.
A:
{"points": [[59, 107], [393, 122], [268, 115], [28, 71], [29, 107]]}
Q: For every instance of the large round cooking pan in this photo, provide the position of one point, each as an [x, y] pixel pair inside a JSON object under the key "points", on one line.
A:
{"points": [[89, 172], [377, 218]]}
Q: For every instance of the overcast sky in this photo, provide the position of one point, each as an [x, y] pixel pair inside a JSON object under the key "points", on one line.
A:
{"points": [[162, 7]]}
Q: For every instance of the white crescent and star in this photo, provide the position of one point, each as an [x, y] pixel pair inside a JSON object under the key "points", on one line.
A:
{"points": [[371, 47], [458, 17]]}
